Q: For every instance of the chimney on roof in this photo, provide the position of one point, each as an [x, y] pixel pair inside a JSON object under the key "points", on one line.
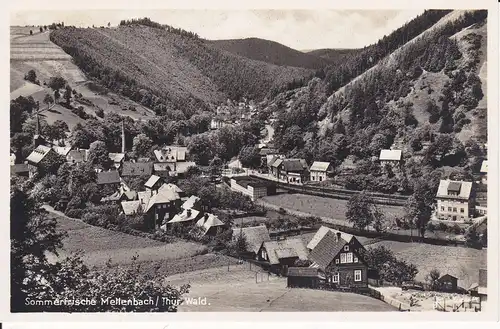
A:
{"points": [[188, 212], [205, 218], [338, 235]]}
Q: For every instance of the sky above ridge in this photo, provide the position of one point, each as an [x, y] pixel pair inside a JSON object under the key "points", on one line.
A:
{"points": [[298, 29]]}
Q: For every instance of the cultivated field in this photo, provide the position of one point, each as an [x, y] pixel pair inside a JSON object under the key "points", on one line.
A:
{"points": [[460, 262], [322, 207], [99, 245], [236, 291]]}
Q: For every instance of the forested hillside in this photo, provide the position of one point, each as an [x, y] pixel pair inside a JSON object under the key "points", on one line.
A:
{"points": [[334, 56], [422, 98], [270, 52], [164, 68]]}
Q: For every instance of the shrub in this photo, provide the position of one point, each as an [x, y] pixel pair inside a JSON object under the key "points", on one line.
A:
{"points": [[99, 112]]}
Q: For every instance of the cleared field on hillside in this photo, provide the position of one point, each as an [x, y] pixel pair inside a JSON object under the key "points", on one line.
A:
{"points": [[237, 291], [36, 52], [322, 207], [461, 262], [98, 245]]}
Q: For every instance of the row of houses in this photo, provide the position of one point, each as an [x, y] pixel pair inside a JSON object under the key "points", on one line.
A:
{"points": [[169, 161], [165, 204], [334, 257]]}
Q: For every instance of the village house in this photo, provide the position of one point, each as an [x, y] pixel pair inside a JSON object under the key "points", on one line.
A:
{"points": [[62, 150], [302, 277], [292, 171], [320, 171], [153, 183], [41, 155], [337, 256], [484, 172], [159, 206], [252, 187], [137, 169], [390, 157], [109, 178], [282, 254], [210, 225], [186, 218], [448, 283], [78, 156], [254, 237], [180, 168], [171, 154], [455, 200], [117, 159]]}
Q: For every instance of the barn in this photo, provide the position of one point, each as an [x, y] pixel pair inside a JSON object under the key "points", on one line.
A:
{"points": [[302, 277]]}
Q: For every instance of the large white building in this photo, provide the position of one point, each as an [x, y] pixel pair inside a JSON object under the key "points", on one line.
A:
{"points": [[455, 200]]}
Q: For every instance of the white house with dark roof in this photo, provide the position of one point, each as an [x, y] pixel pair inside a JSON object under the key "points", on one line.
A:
{"points": [[455, 200], [390, 157], [319, 171]]}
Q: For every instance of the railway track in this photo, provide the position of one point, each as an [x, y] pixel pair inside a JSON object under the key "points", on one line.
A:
{"points": [[336, 193]]}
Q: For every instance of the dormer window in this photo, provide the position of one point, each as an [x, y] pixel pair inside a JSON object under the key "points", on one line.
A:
{"points": [[346, 248]]}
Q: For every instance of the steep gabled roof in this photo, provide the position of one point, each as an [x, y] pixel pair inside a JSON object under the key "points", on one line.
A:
{"points": [[326, 250], [463, 187], [116, 157], [187, 215], [152, 181], [277, 250], [322, 231], [165, 194], [254, 236], [38, 154], [294, 165], [131, 207], [208, 221], [276, 163], [319, 166]]}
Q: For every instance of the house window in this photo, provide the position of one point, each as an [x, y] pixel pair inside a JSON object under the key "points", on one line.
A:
{"points": [[449, 208], [264, 254], [454, 209], [349, 257], [462, 210], [337, 261], [336, 278], [355, 259], [442, 208], [346, 248], [357, 275], [343, 258]]}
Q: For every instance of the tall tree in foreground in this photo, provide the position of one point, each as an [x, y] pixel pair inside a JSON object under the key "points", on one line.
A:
{"points": [[35, 279]]}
